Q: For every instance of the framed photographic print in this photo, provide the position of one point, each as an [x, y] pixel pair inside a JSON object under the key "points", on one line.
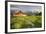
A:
{"points": [[24, 16]]}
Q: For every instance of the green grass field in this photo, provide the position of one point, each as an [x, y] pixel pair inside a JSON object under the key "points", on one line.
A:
{"points": [[18, 22]]}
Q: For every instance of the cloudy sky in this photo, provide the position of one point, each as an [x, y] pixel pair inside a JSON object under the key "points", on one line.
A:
{"points": [[26, 7]]}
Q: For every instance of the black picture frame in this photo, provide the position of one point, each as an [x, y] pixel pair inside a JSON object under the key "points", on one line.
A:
{"points": [[6, 12]]}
